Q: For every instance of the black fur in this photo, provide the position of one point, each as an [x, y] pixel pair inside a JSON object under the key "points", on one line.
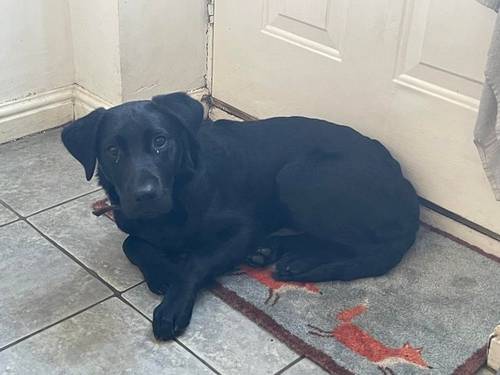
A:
{"points": [[200, 203]]}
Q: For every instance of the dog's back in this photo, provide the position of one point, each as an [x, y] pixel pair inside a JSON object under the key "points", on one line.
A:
{"points": [[261, 148]]}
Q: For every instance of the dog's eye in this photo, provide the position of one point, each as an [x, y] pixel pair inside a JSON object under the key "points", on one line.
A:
{"points": [[159, 141], [113, 151]]}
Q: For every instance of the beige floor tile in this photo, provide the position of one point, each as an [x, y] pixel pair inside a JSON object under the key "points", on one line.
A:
{"points": [[224, 338], [95, 241], [110, 338], [39, 284], [41, 173]]}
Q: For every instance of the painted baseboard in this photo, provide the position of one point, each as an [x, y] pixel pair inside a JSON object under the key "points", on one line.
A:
{"points": [[53, 108], [486, 243], [86, 101], [35, 113], [46, 110]]}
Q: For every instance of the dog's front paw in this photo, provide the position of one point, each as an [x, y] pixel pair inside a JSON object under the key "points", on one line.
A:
{"points": [[171, 317]]}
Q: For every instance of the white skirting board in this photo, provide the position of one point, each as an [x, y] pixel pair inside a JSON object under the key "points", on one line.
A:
{"points": [[85, 101], [38, 112], [35, 113]]}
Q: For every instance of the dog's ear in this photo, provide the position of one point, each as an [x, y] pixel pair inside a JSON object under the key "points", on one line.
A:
{"points": [[186, 110], [189, 153], [190, 113], [80, 138]]}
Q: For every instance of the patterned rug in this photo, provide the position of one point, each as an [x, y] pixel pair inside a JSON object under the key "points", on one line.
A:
{"points": [[432, 314]]}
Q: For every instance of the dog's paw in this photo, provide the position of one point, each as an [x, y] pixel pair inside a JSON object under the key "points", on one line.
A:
{"points": [[292, 268], [265, 254], [171, 317], [262, 257]]}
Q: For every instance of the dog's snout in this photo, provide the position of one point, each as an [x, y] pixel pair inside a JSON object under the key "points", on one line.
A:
{"points": [[146, 192], [145, 198]]}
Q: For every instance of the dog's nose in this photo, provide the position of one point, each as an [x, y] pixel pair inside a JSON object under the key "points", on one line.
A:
{"points": [[145, 192]]}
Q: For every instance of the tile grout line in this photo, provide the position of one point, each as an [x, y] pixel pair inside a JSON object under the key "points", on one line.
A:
{"points": [[2, 203], [60, 204], [185, 347], [8, 208], [291, 364], [21, 217], [53, 324], [67, 253], [73, 258], [10, 222], [176, 340], [116, 293], [133, 286]]}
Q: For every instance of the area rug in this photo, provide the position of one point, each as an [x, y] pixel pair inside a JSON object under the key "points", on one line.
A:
{"points": [[432, 314]]}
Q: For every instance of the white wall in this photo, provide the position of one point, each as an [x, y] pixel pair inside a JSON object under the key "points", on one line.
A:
{"points": [[36, 66], [134, 49], [62, 58], [163, 46], [36, 52], [96, 46]]}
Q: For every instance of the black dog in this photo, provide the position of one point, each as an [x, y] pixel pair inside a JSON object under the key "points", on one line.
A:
{"points": [[197, 198]]}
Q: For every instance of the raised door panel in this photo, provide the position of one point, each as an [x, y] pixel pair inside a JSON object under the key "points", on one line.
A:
{"points": [[443, 47], [316, 25]]}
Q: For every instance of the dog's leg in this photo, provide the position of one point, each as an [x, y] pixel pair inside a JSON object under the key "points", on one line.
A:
{"points": [[172, 316], [352, 231], [317, 266], [154, 265]]}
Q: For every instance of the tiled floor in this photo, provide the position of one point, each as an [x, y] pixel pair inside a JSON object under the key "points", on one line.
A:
{"points": [[70, 302]]}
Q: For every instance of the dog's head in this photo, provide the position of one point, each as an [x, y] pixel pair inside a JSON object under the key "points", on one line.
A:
{"points": [[141, 148]]}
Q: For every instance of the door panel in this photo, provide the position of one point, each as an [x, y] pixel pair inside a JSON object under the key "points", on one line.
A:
{"points": [[406, 72], [438, 47], [315, 25]]}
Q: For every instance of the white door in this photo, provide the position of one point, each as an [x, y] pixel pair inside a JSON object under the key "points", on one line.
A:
{"points": [[407, 72]]}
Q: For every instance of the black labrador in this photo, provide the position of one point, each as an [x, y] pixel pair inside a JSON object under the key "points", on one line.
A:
{"points": [[198, 198]]}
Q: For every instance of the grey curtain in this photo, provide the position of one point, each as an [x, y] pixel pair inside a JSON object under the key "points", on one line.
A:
{"points": [[487, 131]]}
